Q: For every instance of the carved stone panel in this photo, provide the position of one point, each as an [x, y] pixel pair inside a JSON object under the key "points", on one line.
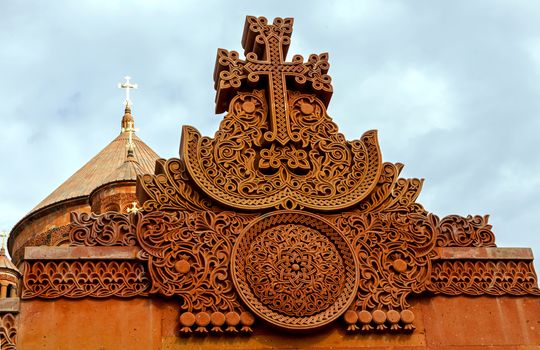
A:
{"points": [[294, 270]]}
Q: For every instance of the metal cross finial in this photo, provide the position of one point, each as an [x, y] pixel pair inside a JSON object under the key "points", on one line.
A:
{"points": [[128, 86], [4, 235]]}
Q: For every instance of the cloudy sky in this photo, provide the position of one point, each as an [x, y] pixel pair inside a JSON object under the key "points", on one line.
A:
{"points": [[452, 87]]}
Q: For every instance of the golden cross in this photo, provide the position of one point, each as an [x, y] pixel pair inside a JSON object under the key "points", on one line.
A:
{"points": [[127, 86], [134, 209], [265, 47]]}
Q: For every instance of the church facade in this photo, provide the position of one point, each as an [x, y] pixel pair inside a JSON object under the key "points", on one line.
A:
{"points": [[274, 233]]}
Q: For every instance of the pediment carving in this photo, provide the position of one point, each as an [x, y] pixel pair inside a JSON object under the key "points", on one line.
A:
{"points": [[278, 218]]}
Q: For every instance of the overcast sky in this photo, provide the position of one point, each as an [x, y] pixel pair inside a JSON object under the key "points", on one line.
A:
{"points": [[452, 86]]}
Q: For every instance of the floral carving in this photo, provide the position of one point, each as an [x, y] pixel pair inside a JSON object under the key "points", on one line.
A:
{"points": [[294, 270], [108, 229], [320, 170], [76, 279], [483, 278], [357, 244], [188, 256], [394, 251], [286, 154], [266, 49], [170, 189], [470, 231], [8, 332]]}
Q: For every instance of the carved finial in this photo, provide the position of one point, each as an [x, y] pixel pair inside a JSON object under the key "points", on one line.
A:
{"points": [[134, 209]]}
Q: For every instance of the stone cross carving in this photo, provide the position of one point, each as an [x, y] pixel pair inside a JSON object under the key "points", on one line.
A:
{"points": [[266, 48], [127, 86]]}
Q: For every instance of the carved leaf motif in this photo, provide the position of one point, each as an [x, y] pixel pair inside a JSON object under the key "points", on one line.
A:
{"points": [[109, 229], [170, 189], [470, 231], [483, 278], [319, 170], [8, 332], [99, 279], [394, 252], [188, 256]]}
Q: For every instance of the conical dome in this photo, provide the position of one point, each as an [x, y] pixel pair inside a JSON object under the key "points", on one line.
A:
{"points": [[102, 168], [6, 263], [113, 169]]}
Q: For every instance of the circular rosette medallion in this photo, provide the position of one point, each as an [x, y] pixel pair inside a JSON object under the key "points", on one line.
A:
{"points": [[294, 270]]}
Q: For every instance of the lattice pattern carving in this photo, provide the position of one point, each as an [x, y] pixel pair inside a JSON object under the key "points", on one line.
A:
{"points": [[8, 332], [76, 279], [483, 278]]}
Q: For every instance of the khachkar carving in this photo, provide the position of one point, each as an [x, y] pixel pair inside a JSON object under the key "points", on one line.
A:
{"points": [[8, 332], [286, 153], [279, 218]]}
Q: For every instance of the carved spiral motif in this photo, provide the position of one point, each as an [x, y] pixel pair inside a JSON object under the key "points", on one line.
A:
{"points": [[294, 270]]}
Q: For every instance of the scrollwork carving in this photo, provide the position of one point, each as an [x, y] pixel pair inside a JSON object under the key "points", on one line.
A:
{"points": [[170, 189], [188, 256], [108, 229], [394, 252], [322, 171], [470, 231]]}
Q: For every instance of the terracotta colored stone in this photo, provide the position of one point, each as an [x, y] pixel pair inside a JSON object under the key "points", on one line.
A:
{"points": [[275, 225], [365, 316], [217, 318], [393, 316], [232, 318], [187, 319], [407, 316], [379, 317], [247, 318], [182, 266]]}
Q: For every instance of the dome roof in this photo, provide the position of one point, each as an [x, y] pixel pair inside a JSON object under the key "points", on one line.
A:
{"points": [[107, 166], [6, 264]]}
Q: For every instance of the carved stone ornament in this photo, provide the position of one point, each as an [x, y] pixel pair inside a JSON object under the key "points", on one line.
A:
{"points": [[286, 153], [8, 332], [279, 219], [294, 270]]}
